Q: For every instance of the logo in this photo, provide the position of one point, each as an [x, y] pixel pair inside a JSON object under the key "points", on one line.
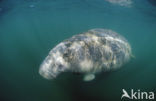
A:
{"points": [[137, 95]]}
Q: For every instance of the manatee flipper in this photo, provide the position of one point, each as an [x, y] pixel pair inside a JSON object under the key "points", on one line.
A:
{"points": [[88, 77], [132, 56]]}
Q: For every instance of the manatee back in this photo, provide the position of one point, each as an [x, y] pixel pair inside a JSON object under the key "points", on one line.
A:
{"points": [[96, 50]]}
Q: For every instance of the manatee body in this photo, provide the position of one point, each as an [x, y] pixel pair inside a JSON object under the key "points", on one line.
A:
{"points": [[90, 52]]}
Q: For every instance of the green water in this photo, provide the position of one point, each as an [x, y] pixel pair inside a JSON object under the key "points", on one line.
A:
{"points": [[29, 29]]}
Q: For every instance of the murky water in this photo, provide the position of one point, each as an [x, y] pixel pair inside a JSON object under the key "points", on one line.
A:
{"points": [[30, 28]]}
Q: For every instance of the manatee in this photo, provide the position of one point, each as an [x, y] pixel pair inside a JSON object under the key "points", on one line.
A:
{"points": [[97, 50]]}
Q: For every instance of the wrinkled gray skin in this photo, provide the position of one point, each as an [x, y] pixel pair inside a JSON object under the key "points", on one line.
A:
{"points": [[90, 52]]}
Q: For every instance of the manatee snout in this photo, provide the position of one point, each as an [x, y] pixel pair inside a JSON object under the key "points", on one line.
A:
{"points": [[52, 66]]}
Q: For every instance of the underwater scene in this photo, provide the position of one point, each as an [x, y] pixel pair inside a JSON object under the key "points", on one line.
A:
{"points": [[33, 31]]}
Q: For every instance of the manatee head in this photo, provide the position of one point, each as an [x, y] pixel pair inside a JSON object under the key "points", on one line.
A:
{"points": [[54, 63]]}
